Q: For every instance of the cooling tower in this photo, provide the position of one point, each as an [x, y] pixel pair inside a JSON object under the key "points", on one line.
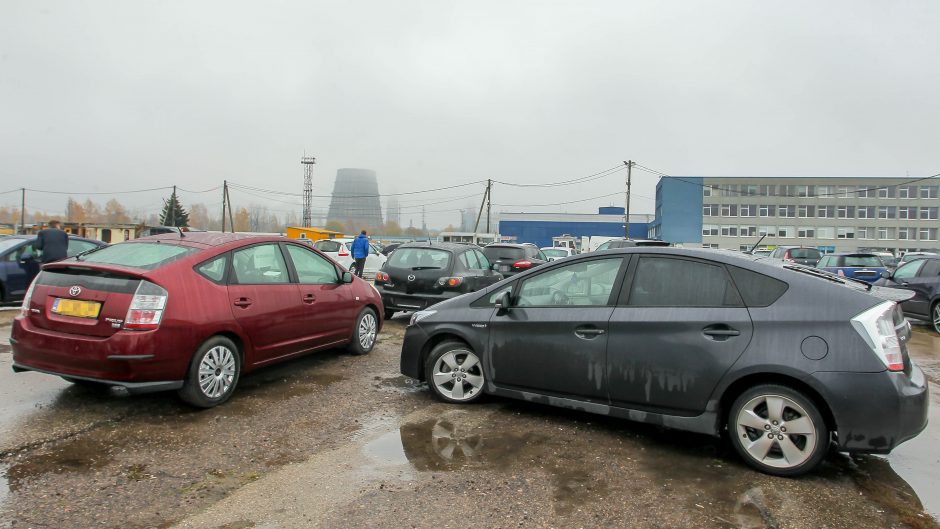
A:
{"points": [[356, 199]]}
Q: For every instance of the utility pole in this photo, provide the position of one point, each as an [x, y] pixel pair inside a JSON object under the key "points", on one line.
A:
{"points": [[489, 202], [486, 195], [228, 200], [23, 210], [307, 162], [626, 209], [224, 197]]}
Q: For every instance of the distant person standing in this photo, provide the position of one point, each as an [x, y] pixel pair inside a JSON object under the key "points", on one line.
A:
{"points": [[53, 241], [360, 250]]}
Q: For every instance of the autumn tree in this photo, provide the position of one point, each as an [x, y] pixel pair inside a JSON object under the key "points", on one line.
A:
{"points": [[392, 229], [92, 211], [75, 211], [242, 222], [335, 225], [115, 212], [173, 213], [199, 216]]}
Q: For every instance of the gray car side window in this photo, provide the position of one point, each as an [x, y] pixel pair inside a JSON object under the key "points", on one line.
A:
{"points": [[673, 282], [931, 269], [484, 262], [587, 283], [758, 290], [909, 270]]}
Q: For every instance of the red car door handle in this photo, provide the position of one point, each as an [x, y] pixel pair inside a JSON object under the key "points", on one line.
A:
{"points": [[242, 302], [309, 298]]}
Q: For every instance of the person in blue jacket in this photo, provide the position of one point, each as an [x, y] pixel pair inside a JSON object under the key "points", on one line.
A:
{"points": [[360, 250]]}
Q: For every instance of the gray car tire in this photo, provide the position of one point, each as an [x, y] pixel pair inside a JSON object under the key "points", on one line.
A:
{"points": [[455, 373], [213, 373], [778, 430]]}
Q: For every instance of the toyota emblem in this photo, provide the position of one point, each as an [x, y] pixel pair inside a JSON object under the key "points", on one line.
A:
{"points": [[411, 277], [74, 291]]}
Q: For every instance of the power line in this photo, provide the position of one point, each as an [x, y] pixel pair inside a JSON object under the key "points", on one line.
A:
{"points": [[579, 180], [271, 191], [559, 203], [97, 192]]}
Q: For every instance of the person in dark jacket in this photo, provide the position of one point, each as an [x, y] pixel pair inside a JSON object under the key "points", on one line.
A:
{"points": [[53, 241], [360, 250]]}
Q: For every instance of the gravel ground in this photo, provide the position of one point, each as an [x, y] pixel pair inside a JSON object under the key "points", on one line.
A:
{"points": [[333, 440]]}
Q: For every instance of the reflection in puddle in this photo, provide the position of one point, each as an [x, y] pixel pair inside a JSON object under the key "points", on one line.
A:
{"points": [[751, 511], [78, 456]]}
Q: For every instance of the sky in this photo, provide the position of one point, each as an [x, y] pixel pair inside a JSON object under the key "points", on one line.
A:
{"points": [[110, 96]]}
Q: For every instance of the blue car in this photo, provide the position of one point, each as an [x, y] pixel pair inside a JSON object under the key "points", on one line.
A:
{"points": [[865, 267], [19, 262]]}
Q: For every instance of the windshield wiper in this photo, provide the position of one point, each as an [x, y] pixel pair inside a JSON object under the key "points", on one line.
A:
{"points": [[86, 252], [426, 268]]}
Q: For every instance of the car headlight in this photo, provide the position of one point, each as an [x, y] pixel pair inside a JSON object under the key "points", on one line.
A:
{"points": [[420, 315]]}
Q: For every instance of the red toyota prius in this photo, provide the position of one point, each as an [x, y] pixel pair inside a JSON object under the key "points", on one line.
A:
{"points": [[190, 312]]}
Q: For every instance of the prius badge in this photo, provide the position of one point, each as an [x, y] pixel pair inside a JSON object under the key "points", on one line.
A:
{"points": [[74, 291], [411, 277]]}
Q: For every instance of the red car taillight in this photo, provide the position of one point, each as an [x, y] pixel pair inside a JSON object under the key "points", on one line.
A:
{"points": [[24, 308], [450, 281], [522, 265], [381, 277], [146, 310], [343, 251]]}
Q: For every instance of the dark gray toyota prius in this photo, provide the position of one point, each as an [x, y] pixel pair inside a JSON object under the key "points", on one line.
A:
{"points": [[782, 357]]}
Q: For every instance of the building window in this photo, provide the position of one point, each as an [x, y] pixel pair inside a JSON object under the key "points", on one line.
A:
{"points": [[845, 212], [767, 230], [805, 232], [710, 210], [907, 212], [928, 214], [929, 191], [709, 230], [865, 233], [928, 234], [886, 233], [765, 210], [907, 192], [865, 192], [825, 191], [845, 233], [826, 232], [806, 212], [906, 234], [786, 211], [712, 246], [747, 231], [805, 191], [748, 210], [786, 232], [866, 212], [886, 192], [846, 191], [706, 191], [887, 212], [750, 190], [729, 190], [729, 231], [767, 191], [729, 210], [826, 212]]}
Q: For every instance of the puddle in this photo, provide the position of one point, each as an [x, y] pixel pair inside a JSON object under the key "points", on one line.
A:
{"points": [[401, 383], [81, 455]]}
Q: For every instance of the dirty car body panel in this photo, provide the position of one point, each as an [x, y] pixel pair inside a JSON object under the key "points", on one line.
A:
{"points": [[734, 322]]}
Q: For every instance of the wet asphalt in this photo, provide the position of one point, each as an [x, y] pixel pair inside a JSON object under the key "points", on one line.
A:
{"points": [[333, 440]]}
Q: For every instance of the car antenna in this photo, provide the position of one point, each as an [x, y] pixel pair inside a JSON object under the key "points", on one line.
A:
{"points": [[753, 248], [181, 232]]}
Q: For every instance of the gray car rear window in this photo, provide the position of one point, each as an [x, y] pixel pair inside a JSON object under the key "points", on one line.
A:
{"points": [[147, 256], [757, 289]]}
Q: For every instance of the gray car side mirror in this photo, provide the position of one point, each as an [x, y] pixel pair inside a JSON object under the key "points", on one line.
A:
{"points": [[347, 277], [887, 274], [504, 302]]}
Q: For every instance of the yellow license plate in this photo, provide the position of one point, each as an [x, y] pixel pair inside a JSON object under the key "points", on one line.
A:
{"points": [[77, 308]]}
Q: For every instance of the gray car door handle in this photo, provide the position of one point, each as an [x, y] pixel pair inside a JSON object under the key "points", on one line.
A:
{"points": [[720, 333], [589, 332]]}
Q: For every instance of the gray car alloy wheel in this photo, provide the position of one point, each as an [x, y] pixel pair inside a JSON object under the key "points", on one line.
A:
{"points": [[367, 330], [776, 431], [457, 375], [217, 372], [936, 317]]}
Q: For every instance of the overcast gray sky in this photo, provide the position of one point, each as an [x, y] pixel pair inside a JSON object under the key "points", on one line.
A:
{"points": [[117, 95]]}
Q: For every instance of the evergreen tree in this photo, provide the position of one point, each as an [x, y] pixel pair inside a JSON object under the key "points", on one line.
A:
{"points": [[173, 213]]}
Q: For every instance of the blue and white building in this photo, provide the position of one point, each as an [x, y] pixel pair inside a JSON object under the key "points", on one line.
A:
{"points": [[539, 228], [830, 213]]}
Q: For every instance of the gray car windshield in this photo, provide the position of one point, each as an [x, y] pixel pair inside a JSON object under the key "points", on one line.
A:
{"points": [[419, 258], [6, 244]]}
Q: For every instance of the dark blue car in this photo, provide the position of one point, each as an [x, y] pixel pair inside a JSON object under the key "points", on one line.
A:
{"points": [[865, 267], [922, 277], [19, 262]]}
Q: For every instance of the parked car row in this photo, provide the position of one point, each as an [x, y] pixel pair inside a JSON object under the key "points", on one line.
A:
{"points": [[783, 358], [19, 262]]}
